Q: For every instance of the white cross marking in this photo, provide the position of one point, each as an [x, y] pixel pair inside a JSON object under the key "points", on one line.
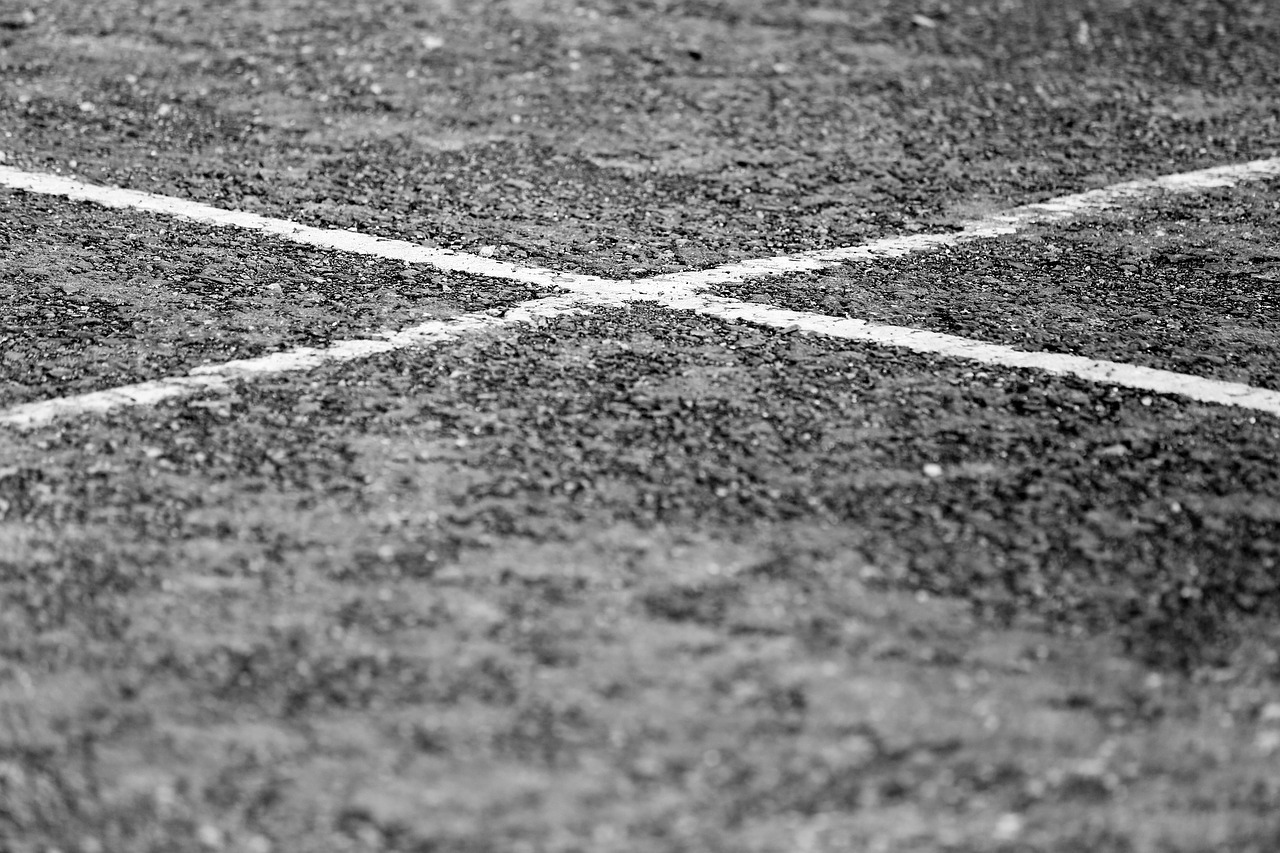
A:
{"points": [[678, 291]]}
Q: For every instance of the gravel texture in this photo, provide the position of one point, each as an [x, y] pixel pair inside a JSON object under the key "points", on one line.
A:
{"points": [[1185, 284], [638, 581], [97, 298], [753, 585], [651, 137]]}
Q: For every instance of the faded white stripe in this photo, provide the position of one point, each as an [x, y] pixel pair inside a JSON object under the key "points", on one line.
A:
{"points": [[30, 415]]}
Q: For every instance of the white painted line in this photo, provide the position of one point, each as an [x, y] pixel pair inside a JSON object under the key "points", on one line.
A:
{"points": [[676, 291], [219, 376], [1007, 222], [324, 238], [918, 340], [31, 415], [214, 377]]}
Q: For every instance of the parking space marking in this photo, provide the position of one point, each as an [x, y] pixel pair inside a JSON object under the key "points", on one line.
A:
{"points": [[678, 291]]}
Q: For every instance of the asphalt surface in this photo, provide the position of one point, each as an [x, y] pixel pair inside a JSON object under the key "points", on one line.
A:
{"points": [[490, 579], [648, 138], [639, 580], [1183, 284], [1055, 498], [98, 298]]}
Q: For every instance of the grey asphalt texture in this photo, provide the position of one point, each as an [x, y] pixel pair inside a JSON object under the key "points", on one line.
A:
{"points": [[83, 286], [639, 580], [1182, 284]]}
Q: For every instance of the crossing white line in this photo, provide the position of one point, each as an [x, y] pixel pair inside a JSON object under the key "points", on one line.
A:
{"points": [[215, 377], [953, 346], [1007, 222], [678, 291], [324, 238]]}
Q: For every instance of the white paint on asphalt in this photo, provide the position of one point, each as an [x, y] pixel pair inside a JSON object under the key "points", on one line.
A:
{"points": [[1007, 222], [324, 238], [953, 346], [31, 415], [676, 291], [216, 377]]}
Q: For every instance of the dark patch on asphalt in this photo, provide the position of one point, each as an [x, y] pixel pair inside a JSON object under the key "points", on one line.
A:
{"points": [[646, 141], [95, 298], [1188, 283]]}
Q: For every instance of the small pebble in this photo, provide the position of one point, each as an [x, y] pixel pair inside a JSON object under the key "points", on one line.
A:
{"points": [[1007, 827], [257, 844], [1268, 742], [209, 836]]}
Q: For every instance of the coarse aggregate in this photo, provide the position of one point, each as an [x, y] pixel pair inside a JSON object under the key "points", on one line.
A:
{"points": [[615, 138], [638, 580], [645, 581], [93, 298], [1181, 283]]}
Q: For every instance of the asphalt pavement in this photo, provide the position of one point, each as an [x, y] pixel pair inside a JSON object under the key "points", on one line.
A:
{"points": [[632, 577]]}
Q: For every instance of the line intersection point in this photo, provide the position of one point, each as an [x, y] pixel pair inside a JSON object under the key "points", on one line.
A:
{"points": [[677, 291]]}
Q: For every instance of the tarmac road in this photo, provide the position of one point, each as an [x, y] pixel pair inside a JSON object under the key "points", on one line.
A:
{"points": [[639, 580]]}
